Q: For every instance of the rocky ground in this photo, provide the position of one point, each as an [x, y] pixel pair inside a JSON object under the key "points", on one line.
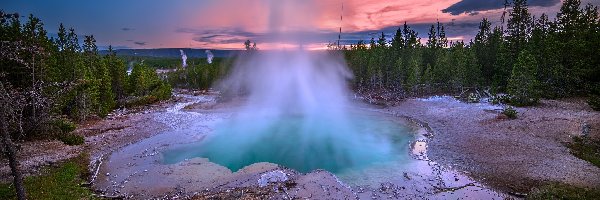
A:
{"points": [[512, 155], [120, 128]]}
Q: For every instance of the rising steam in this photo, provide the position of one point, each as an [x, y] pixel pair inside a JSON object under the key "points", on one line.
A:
{"points": [[296, 111], [183, 59], [209, 56]]}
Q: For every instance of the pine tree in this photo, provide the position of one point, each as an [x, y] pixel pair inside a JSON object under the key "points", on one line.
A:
{"points": [[441, 34], [518, 27], [432, 41], [411, 38], [117, 71], [523, 84], [485, 49], [414, 71], [397, 40]]}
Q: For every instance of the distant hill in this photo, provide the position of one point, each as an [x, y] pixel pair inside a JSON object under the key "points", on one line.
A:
{"points": [[172, 52]]}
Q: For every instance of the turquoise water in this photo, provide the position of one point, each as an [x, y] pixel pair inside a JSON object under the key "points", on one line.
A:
{"points": [[301, 143]]}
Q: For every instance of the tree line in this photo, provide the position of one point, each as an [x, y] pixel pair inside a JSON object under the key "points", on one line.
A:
{"points": [[199, 74], [46, 84], [527, 57]]}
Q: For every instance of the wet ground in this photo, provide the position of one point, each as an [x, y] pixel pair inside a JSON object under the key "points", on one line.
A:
{"points": [[138, 170]]}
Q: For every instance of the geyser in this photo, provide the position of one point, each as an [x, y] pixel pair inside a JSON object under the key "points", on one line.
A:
{"points": [[209, 56], [183, 59], [297, 115], [296, 111]]}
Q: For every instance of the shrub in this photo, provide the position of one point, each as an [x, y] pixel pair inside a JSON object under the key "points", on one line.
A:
{"points": [[594, 99], [501, 99], [162, 91], [510, 112], [64, 125], [139, 101], [594, 102], [72, 139], [473, 98]]}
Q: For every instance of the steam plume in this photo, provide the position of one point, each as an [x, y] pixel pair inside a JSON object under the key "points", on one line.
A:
{"points": [[297, 112], [209, 56], [183, 59]]}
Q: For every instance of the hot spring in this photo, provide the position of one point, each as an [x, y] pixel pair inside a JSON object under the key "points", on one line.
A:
{"points": [[297, 110], [304, 144], [297, 113]]}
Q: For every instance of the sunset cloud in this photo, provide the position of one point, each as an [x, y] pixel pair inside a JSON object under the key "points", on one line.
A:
{"points": [[474, 6], [226, 24]]}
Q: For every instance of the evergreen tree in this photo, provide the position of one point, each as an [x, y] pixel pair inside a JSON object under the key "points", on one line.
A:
{"points": [[523, 84], [101, 77], [485, 49], [398, 40], [441, 34], [577, 29], [433, 36], [518, 27], [414, 72], [411, 38], [117, 70]]}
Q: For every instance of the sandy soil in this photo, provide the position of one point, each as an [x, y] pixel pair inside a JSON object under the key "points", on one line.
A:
{"points": [[512, 155]]}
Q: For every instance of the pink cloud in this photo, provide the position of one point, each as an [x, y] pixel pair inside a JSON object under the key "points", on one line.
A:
{"points": [[267, 16]]}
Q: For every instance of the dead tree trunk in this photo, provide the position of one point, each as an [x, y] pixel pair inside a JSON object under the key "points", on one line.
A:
{"points": [[11, 153]]}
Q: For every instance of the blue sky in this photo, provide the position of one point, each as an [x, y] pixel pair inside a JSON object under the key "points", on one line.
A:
{"points": [[225, 23]]}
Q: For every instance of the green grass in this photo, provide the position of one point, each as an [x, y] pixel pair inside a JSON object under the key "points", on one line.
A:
{"points": [[587, 149], [61, 182], [561, 191]]}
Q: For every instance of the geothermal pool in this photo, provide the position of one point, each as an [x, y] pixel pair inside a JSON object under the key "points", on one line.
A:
{"points": [[376, 154], [365, 140]]}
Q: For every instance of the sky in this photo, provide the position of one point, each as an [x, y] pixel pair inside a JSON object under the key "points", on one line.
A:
{"points": [[226, 24]]}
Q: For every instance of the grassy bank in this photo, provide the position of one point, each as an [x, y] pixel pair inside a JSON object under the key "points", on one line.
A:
{"points": [[562, 191], [587, 149], [63, 181]]}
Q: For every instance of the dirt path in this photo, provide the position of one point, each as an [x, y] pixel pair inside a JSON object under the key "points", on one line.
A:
{"points": [[512, 155]]}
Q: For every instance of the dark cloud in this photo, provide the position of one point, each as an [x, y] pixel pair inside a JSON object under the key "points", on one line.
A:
{"points": [[473, 6], [220, 36], [105, 47], [465, 29], [140, 43], [217, 32], [127, 29]]}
